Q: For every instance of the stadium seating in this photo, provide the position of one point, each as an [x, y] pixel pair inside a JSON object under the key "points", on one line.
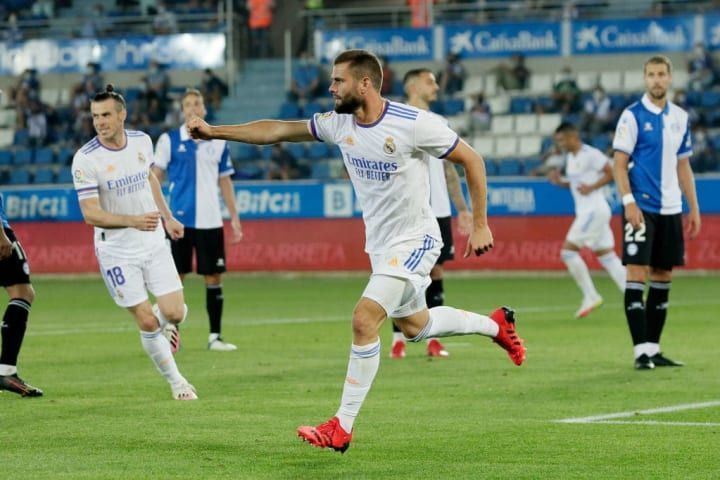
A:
{"points": [[6, 157], [44, 175], [317, 151], [23, 157], [243, 152], [64, 175], [44, 156], [19, 176]]}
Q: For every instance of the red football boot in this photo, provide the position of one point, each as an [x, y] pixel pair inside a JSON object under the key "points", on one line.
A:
{"points": [[326, 435], [506, 337]]}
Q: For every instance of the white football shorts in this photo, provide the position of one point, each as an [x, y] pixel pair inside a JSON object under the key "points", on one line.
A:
{"points": [[401, 275], [128, 278], [592, 229]]}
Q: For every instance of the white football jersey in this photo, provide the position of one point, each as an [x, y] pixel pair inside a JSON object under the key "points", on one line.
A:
{"points": [[387, 161], [439, 197], [120, 179], [586, 167]]}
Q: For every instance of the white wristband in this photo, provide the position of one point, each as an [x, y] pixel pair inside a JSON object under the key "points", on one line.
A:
{"points": [[628, 199]]}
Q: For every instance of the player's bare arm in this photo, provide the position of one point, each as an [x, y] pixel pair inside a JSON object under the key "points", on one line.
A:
{"points": [[480, 240], [94, 215], [633, 214], [555, 177], [452, 179], [173, 227], [607, 176], [687, 185], [228, 195], [261, 132], [6, 245], [159, 174]]}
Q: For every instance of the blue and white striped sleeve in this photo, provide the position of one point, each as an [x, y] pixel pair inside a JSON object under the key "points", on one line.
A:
{"points": [[225, 167], [685, 149]]}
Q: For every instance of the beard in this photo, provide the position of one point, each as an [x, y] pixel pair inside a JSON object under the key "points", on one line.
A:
{"points": [[658, 94], [348, 105]]}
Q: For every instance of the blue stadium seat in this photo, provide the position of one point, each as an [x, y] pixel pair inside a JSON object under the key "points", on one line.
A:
{"points": [[6, 157], [297, 150], [23, 157], [243, 152], [19, 176], [694, 98], [312, 108], [318, 150], [320, 170], [266, 152], [491, 168], [44, 156], [545, 102], [21, 138], [64, 175], [398, 89], [44, 175], [65, 156], [601, 142], [454, 106], [437, 107], [617, 100], [547, 144], [521, 105], [509, 167], [531, 164], [131, 94], [289, 111], [710, 99]]}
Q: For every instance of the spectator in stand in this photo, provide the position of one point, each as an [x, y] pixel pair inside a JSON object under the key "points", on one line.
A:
{"points": [[452, 77], [97, 24], [597, 115], [516, 76], [566, 93], [37, 123], [480, 114], [43, 8], [306, 76], [156, 82], [284, 165], [701, 68], [680, 99], [419, 10], [213, 88], [12, 33], [704, 158], [260, 20], [165, 21], [388, 77]]}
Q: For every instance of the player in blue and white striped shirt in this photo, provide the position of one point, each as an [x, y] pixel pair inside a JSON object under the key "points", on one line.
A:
{"points": [[198, 172], [652, 170]]}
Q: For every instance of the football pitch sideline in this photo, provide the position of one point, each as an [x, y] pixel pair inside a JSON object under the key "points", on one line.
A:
{"points": [[575, 409]]}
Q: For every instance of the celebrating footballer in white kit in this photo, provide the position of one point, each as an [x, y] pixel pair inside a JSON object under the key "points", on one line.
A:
{"points": [[122, 199], [385, 146], [587, 170]]}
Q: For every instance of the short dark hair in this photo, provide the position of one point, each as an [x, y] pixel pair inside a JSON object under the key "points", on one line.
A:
{"points": [[362, 64], [566, 127], [110, 93], [658, 60], [414, 73], [191, 91]]}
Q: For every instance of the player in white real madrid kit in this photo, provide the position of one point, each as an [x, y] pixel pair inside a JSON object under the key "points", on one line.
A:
{"points": [[121, 198], [587, 170], [195, 170], [421, 89], [385, 147], [652, 170]]}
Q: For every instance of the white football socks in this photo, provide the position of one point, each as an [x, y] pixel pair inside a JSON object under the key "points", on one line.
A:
{"points": [[579, 271], [612, 264], [362, 367], [449, 321], [158, 349]]}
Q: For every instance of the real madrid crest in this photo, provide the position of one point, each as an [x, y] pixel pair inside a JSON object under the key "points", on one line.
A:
{"points": [[389, 146], [141, 157]]}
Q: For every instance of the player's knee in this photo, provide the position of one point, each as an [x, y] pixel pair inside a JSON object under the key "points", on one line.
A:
{"points": [[365, 322], [175, 313], [146, 321], [411, 332], [27, 293]]}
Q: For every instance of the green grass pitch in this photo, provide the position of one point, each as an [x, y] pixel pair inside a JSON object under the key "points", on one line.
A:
{"points": [[108, 414]]}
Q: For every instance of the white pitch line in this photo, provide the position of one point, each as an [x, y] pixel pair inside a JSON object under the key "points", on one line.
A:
{"points": [[654, 422], [633, 413], [71, 329]]}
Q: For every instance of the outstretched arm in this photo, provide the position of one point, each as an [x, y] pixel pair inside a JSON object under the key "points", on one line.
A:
{"points": [[481, 239], [261, 132]]}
